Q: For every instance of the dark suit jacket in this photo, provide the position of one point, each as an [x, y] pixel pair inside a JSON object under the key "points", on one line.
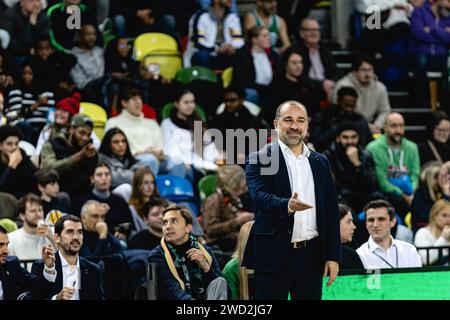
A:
{"points": [[91, 279], [270, 239], [17, 280]]}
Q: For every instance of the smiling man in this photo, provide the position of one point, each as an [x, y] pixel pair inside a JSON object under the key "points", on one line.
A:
{"points": [[382, 251]]}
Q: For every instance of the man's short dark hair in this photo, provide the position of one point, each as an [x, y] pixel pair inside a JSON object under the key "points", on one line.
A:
{"points": [[240, 91], [185, 213], [59, 225], [360, 59], [153, 202], [129, 92], [3, 230], [9, 131], [22, 203], [346, 91], [346, 126], [380, 203], [42, 38], [46, 176]]}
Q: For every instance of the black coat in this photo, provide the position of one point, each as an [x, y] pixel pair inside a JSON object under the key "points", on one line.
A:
{"points": [[91, 279], [19, 181], [426, 154], [350, 259]]}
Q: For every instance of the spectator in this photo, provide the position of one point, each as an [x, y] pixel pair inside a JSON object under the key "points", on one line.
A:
{"points": [[185, 268], [397, 163], [223, 213], [54, 203], [73, 156], [27, 106], [97, 238], [265, 15], [255, 66], [74, 277], [233, 272], [293, 84], [7, 70], [214, 36], [394, 16], [27, 22], [236, 116], [353, 168], [436, 147], [119, 62], [13, 277], [16, 169], [382, 251], [144, 135], [52, 68], [325, 124], [118, 212], [350, 259], [26, 243], [434, 185], [429, 43], [435, 234], [90, 61], [150, 238], [373, 102], [179, 134], [318, 61], [115, 152], [2, 107], [63, 38]]}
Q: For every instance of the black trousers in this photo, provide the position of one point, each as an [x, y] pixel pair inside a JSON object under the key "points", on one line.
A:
{"points": [[301, 276]]}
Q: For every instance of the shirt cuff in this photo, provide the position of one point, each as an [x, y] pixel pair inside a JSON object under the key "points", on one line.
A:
{"points": [[54, 297], [50, 277]]}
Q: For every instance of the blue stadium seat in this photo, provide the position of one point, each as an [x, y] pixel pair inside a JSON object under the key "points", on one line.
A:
{"points": [[178, 190]]}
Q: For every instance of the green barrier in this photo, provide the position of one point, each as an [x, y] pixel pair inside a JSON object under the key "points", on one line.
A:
{"points": [[428, 283]]}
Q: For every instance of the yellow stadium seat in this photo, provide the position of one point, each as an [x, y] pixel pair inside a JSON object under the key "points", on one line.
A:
{"points": [[98, 116], [3, 121], [153, 42], [376, 135], [227, 76], [169, 63], [408, 220]]}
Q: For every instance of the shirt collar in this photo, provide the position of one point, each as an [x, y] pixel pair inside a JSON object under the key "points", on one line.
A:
{"points": [[64, 262], [373, 246], [286, 149]]}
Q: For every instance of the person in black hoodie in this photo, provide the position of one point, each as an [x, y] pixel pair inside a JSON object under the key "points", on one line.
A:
{"points": [[436, 147], [16, 168], [293, 83], [118, 61], [353, 168], [324, 126]]}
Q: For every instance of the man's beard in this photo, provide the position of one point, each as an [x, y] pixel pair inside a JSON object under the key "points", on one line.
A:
{"points": [[31, 223], [396, 139], [68, 251]]}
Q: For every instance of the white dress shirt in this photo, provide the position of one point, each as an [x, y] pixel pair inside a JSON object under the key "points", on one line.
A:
{"points": [[71, 277], [425, 238], [317, 70], [302, 181], [1, 291], [263, 68], [399, 255]]}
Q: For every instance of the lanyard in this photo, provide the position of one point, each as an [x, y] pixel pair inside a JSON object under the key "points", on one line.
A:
{"points": [[391, 157], [384, 260]]}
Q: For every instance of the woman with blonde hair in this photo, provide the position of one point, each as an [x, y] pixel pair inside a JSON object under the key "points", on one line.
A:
{"points": [[435, 234], [233, 272], [434, 185], [223, 212]]}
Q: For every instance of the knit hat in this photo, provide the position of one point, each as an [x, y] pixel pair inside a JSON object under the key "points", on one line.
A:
{"points": [[70, 104], [81, 120]]}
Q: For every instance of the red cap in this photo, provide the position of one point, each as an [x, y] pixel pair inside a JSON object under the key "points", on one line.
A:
{"points": [[70, 104]]}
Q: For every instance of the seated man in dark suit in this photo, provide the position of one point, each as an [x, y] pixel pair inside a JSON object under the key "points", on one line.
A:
{"points": [[13, 278], [186, 270], [73, 277]]}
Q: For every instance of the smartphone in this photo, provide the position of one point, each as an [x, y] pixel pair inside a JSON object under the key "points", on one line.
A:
{"points": [[154, 69]]}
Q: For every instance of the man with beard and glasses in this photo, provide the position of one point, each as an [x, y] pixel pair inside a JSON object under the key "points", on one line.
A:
{"points": [[26, 243], [73, 277], [397, 163], [13, 278], [429, 42], [353, 168], [295, 240], [73, 156]]}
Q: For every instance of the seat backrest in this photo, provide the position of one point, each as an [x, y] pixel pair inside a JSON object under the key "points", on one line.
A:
{"points": [[167, 109], [29, 149], [169, 63], [98, 116], [187, 75], [207, 186], [251, 107], [174, 187], [153, 42], [227, 77]]}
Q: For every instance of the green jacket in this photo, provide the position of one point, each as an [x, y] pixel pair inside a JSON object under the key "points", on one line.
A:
{"points": [[49, 160], [379, 152], [231, 274]]}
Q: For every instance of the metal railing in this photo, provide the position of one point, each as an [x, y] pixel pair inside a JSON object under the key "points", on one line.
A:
{"points": [[443, 257]]}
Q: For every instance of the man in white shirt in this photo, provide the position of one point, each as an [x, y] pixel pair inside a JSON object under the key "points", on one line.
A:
{"points": [[74, 277], [382, 251], [26, 243]]}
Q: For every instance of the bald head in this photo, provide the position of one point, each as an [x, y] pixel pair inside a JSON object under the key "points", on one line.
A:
{"points": [[394, 116], [394, 128], [286, 105]]}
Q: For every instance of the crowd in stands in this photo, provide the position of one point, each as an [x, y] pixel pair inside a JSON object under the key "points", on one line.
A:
{"points": [[120, 187]]}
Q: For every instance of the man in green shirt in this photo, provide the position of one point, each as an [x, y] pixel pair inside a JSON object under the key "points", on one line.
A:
{"points": [[397, 163]]}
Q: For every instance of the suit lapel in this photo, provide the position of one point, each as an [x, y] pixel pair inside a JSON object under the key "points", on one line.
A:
{"points": [[60, 276], [7, 286], [314, 163], [282, 176], [83, 279]]}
